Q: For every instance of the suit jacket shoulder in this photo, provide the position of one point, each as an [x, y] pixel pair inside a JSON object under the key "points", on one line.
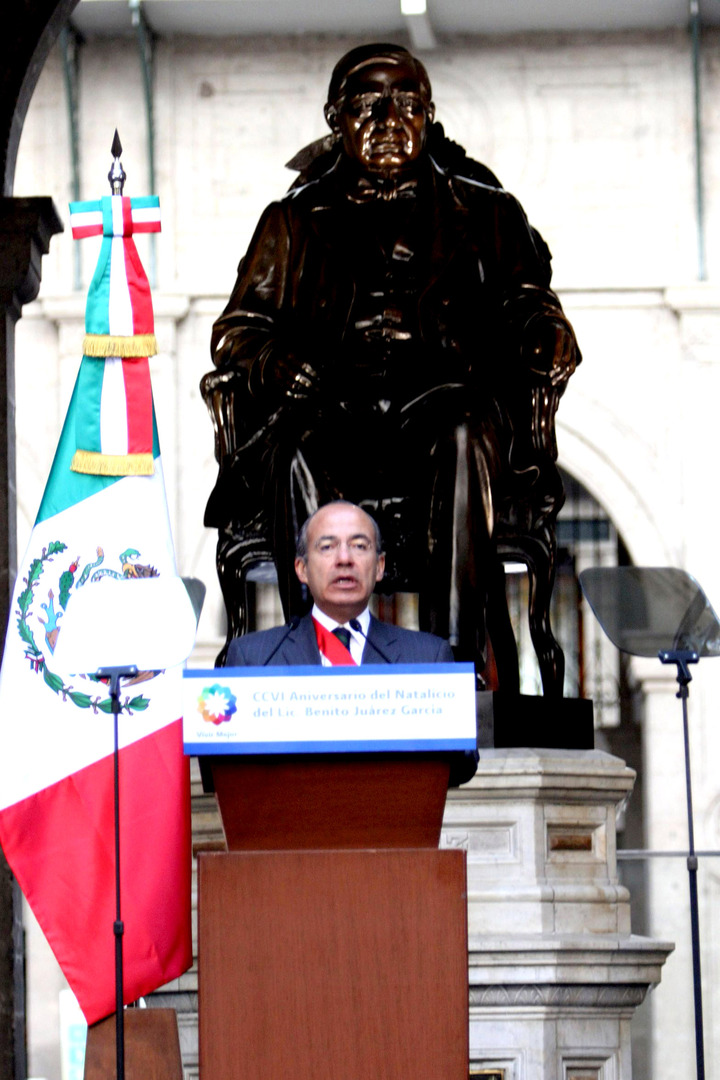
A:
{"points": [[402, 646], [290, 645], [250, 649], [294, 645]]}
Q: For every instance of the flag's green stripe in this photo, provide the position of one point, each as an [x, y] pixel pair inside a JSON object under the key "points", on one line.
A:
{"points": [[107, 213], [64, 487], [142, 202], [84, 207], [87, 421], [97, 311]]}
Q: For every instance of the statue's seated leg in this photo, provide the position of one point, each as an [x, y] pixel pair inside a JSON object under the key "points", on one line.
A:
{"points": [[500, 632], [453, 596], [300, 484], [238, 550], [541, 551]]}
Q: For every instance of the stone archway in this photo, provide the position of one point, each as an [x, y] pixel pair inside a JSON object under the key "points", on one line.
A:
{"points": [[31, 33], [598, 468]]}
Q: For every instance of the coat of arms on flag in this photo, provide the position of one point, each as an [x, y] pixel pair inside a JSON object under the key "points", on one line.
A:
{"points": [[103, 514]]}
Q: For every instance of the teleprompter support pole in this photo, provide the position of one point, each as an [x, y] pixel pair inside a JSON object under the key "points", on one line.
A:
{"points": [[682, 659]]}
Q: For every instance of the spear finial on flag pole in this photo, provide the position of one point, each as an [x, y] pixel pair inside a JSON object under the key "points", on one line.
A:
{"points": [[117, 175]]}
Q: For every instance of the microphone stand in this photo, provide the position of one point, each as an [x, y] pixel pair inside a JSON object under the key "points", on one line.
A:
{"points": [[115, 674], [682, 658], [292, 625], [356, 626]]}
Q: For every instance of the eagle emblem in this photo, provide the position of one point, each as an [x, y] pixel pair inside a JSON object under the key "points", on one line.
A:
{"points": [[45, 624]]}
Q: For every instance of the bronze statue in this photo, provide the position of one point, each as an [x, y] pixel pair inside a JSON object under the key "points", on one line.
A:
{"points": [[392, 340]]}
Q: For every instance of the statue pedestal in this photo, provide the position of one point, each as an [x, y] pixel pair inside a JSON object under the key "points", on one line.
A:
{"points": [[554, 971]]}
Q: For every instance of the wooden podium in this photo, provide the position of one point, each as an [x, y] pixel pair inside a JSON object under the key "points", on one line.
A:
{"points": [[333, 933]]}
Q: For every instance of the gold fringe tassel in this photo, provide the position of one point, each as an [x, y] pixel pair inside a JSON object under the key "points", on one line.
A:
{"points": [[138, 345], [89, 461]]}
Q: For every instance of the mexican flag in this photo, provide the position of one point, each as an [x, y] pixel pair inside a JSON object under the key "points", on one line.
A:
{"points": [[56, 729]]}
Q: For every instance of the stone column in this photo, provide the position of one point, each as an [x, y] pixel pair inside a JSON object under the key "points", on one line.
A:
{"points": [[555, 972], [26, 226]]}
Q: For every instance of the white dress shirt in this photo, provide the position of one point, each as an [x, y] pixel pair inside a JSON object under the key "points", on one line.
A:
{"points": [[357, 641]]}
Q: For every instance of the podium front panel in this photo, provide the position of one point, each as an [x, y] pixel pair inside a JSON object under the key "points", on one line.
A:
{"points": [[331, 800], [321, 965]]}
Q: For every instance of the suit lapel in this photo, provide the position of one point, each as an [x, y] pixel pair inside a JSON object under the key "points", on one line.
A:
{"points": [[384, 636], [300, 646]]}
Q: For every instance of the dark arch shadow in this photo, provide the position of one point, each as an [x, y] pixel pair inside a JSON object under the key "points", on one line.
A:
{"points": [[28, 36], [30, 30]]}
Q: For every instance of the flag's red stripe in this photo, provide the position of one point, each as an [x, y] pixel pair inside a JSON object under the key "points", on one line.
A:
{"points": [[81, 231], [331, 647], [146, 226], [60, 843], [138, 394], [138, 285], [126, 216], [139, 288]]}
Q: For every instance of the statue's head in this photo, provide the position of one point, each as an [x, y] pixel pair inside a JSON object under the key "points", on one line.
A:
{"points": [[380, 105]]}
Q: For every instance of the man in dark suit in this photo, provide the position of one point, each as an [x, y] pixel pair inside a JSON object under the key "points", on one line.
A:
{"points": [[340, 559]]}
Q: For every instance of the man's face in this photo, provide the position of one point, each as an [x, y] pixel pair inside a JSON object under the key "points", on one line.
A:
{"points": [[383, 117], [342, 564]]}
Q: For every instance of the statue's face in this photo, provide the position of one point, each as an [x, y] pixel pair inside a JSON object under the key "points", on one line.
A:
{"points": [[383, 118]]}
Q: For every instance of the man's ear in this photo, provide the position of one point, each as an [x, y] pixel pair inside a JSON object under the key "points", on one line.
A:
{"points": [[430, 111], [332, 117], [301, 570], [380, 568]]}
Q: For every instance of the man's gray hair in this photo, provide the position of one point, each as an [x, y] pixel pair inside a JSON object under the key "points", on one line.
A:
{"points": [[301, 546]]}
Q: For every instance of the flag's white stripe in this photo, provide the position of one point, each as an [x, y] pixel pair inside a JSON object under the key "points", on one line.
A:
{"points": [[85, 217], [146, 213], [129, 513], [113, 409], [120, 307], [116, 209]]}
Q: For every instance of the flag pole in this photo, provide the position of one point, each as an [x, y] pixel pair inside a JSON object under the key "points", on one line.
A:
{"points": [[117, 177], [115, 674]]}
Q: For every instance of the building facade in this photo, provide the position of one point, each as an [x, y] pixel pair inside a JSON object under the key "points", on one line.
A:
{"points": [[595, 134]]}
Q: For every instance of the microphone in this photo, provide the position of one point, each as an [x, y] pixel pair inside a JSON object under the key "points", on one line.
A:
{"points": [[292, 625], [355, 625]]}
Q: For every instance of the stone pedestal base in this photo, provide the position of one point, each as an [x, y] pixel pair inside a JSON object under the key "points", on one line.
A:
{"points": [[555, 973]]}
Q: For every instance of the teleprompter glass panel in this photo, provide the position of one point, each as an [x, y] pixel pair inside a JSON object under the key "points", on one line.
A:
{"points": [[644, 610]]}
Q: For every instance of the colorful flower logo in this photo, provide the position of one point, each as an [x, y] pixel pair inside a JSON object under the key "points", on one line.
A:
{"points": [[216, 704]]}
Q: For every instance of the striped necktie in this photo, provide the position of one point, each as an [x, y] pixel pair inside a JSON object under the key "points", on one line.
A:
{"points": [[343, 634]]}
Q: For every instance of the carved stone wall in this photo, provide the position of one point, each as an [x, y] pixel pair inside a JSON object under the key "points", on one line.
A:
{"points": [[555, 972]]}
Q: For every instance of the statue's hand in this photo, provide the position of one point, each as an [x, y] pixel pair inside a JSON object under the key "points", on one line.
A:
{"points": [[295, 379], [549, 349]]}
